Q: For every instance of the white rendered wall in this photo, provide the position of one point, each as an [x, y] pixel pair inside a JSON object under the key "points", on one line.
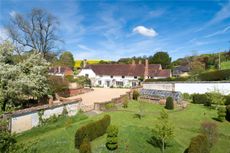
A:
{"points": [[193, 87], [29, 120]]}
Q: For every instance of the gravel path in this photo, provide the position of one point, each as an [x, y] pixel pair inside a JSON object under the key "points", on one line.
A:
{"points": [[100, 95]]}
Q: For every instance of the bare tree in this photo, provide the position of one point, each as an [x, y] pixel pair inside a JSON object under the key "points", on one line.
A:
{"points": [[35, 31]]}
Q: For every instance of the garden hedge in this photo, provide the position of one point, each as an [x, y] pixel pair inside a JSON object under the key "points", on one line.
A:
{"points": [[227, 113], [169, 103], [215, 75], [201, 99], [92, 130]]}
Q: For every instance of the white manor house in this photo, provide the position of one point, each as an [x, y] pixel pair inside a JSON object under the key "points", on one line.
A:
{"points": [[122, 75]]}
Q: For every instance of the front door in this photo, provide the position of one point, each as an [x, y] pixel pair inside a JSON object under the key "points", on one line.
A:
{"points": [[108, 83]]}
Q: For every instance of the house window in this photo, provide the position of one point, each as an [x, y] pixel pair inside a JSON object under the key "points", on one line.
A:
{"points": [[119, 83], [87, 75], [99, 82], [111, 76], [135, 77], [123, 77]]}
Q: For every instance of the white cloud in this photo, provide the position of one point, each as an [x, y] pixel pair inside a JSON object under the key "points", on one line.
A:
{"points": [[3, 34], [222, 14], [219, 32], [12, 14], [145, 31], [156, 13]]}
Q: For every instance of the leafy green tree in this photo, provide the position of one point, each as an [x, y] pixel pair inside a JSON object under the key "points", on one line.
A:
{"points": [[21, 81], [67, 59], [161, 58], [164, 129], [216, 98], [197, 67]]}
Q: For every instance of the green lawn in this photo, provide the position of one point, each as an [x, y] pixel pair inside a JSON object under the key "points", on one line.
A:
{"points": [[133, 132], [225, 65]]}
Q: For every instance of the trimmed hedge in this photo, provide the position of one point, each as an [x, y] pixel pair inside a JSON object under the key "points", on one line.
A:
{"points": [[215, 75], [199, 144], [201, 99], [112, 140], [227, 102], [136, 94], [169, 103], [168, 79], [92, 130], [227, 117], [221, 113], [85, 146]]}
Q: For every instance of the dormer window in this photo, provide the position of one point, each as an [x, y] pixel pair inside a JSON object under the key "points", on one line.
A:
{"points": [[111, 76], [135, 77], [123, 77]]}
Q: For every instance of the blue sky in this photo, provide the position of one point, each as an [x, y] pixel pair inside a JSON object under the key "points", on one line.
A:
{"points": [[114, 29]]}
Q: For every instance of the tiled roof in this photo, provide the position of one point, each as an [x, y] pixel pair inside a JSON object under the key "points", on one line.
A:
{"points": [[128, 70]]}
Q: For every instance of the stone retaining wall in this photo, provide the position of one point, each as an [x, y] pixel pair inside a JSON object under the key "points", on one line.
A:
{"points": [[119, 100]]}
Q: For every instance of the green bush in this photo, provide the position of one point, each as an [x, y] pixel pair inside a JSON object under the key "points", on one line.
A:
{"points": [[227, 113], [169, 103], [199, 144], [125, 103], [215, 75], [136, 94], [186, 96], [221, 113], [227, 100], [85, 146], [92, 130], [110, 106], [201, 99], [112, 140]]}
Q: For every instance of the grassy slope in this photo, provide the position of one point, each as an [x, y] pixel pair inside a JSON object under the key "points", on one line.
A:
{"points": [[225, 65], [133, 133]]}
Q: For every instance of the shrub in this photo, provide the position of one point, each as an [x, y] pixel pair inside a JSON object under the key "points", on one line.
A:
{"points": [[169, 103], [221, 113], [112, 140], [125, 103], [227, 100], [186, 96], [92, 130], [136, 94], [199, 144], [85, 146], [209, 129], [227, 113], [215, 75], [110, 106], [201, 99]]}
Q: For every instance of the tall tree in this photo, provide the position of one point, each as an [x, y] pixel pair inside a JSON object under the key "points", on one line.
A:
{"points": [[21, 81], [35, 31], [161, 58], [67, 59], [164, 129]]}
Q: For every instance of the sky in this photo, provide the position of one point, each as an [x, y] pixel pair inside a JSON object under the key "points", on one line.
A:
{"points": [[116, 29]]}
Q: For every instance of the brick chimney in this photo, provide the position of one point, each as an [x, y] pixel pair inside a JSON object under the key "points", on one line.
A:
{"points": [[146, 69], [133, 62], [84, 63], [139, 62]]}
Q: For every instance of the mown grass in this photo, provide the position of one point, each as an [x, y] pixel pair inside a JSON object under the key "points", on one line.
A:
{"points": [[134, 133], [225, 65]]}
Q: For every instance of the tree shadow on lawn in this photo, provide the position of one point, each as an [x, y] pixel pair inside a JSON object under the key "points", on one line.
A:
{"points": [[156, 142]]}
